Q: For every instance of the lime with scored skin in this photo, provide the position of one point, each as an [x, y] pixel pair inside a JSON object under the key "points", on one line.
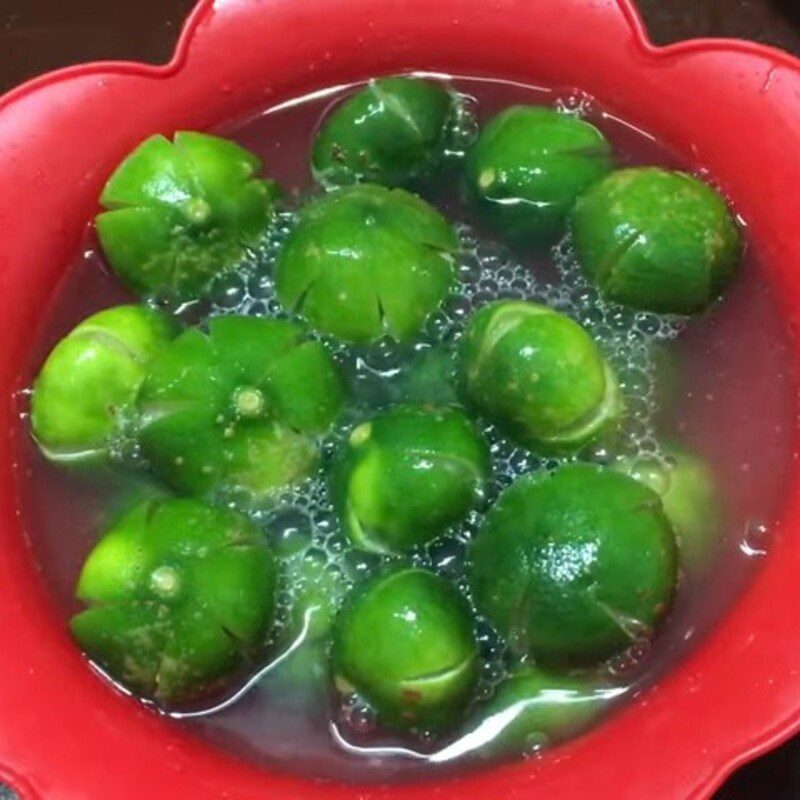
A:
{"points": [[180, 595], [538, 375], [527, 168], [365, 261], [178, 213], [239, 409], [574, 566], [393, 131], [90, 378], [656, 240], [408, 474], [404, 642]]}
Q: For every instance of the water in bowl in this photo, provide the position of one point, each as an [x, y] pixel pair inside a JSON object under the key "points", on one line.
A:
{"points": [[734, 404]]}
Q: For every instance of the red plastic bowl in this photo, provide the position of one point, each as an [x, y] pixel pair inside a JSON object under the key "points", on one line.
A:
{"points": [[732, 108]]}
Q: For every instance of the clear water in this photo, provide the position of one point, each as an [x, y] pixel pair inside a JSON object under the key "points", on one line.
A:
{"points": [[736, 407]]}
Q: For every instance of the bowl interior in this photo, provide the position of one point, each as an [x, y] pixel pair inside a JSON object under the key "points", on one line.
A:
{"points": [[731, 109]]}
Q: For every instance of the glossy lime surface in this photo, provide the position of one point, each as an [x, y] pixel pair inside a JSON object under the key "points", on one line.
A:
{"points": [[538, 375], [393, 131], [366, 261], [404, 642], [180, 594], [178, 213], [574, 566], [91, 378], [528, 167], [657, 240], [408, 474], [238, 409]]}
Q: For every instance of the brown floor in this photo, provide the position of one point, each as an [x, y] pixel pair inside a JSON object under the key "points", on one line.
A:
{"points": [[38, 35]]}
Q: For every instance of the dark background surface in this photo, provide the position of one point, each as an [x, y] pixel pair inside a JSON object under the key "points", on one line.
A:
{"points": [[38, 35]]}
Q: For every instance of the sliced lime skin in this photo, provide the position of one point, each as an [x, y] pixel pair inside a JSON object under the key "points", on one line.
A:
{"points": [[528, 167], [366, 261], [538, 375], [178, 213], [657, 240], [391, 132], [574, 566], [238, 410], [407, 475], [180, 595], [90, 377], [404, 642], [692, 501], [535, 708]]}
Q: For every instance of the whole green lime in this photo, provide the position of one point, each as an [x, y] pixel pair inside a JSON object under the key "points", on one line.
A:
{"points": [[408, 474], [239, 409], [180, 212], [180, 595], [91, 377], [538, 375], [366, 261], [575, 565], [528, 167], [657, 240], [405, 643], [393, 131]]}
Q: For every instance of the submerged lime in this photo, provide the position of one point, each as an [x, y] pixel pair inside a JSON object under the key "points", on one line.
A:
{"points": [[657, 240], [404, 642], [527, 168], [238, 409], [534, 708], [407, 474], [180, 212], [367, 261], [393, 131], [538, 375], [180, 594], [91, 377], [575, 565], [691, 499]]}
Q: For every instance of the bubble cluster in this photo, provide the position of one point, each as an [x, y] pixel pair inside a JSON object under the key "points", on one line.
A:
{"points": [[250, 289], [494, 660]]}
